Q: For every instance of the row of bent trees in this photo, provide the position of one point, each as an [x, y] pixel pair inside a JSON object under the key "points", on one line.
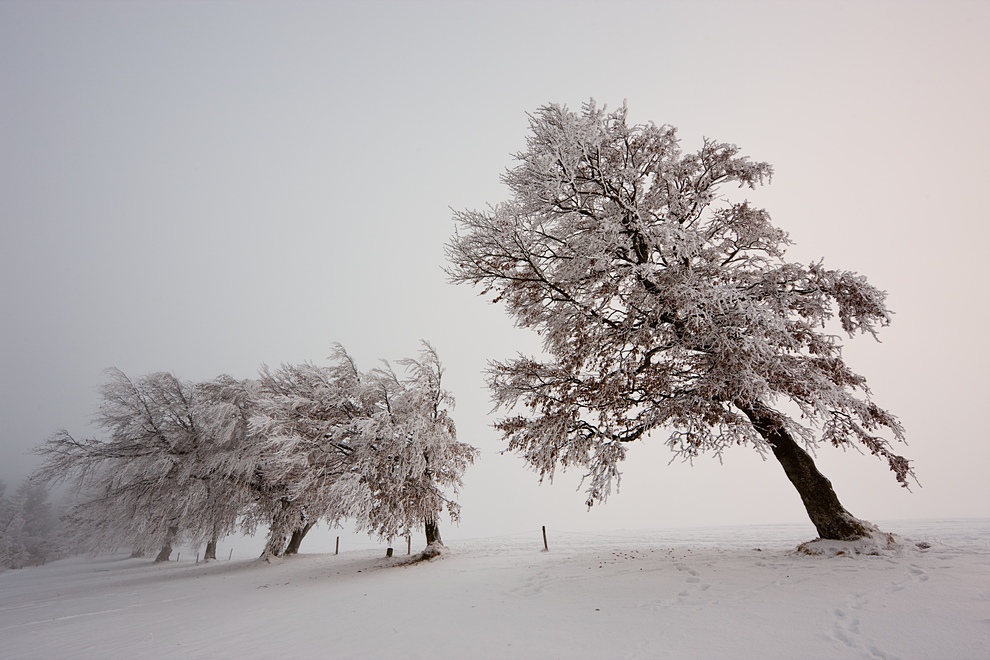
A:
{"points": [[185, 462], [664, 303]]}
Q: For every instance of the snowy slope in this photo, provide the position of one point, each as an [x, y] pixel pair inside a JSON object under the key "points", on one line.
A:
{"points": [[733, 592]]}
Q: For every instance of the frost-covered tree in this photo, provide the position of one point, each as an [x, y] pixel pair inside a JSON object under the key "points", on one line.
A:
{"points": [[13, 554], [227, 460], [410, 451], [663, 304], [162, 473], [183, 462], [30, 533], [304, 467], [40, 532], [371, 447]]}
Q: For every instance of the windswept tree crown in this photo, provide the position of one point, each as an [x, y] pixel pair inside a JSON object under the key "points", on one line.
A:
{"points": [[661, 303]]}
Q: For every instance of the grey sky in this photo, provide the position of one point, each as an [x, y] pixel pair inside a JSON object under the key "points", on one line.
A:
{"points": [[203, 187]]}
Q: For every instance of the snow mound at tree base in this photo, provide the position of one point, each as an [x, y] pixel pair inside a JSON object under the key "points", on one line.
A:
{"points": [[432, 551], [875, 543], [429, 553]]}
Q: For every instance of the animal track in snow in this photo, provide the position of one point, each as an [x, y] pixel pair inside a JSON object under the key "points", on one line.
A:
{"points": [[846, 629]]}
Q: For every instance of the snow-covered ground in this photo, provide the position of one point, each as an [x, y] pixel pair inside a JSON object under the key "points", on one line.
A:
{"points": [[730, 592]]}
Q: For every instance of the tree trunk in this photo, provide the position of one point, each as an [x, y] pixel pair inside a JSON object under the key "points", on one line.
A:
{"points": [[827, 514], [295, 540], [211, 549], [277, 530], [166, 550], [433, 533], [274, 548], [434, 544]]}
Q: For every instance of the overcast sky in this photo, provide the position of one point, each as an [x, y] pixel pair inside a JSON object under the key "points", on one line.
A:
{"points": [[204, 187]]}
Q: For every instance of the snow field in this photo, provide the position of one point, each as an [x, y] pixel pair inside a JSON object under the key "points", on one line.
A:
{"points": [[732, 592]]}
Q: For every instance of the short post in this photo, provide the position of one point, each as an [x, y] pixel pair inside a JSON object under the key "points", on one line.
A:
{"points": [[197, 558], [336, 549], [388, 552], [409, 544], [177, 555], [546, 548], [231, 554]]}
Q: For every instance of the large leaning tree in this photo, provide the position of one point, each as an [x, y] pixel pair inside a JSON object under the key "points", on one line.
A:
{"points": [[664, 305]]}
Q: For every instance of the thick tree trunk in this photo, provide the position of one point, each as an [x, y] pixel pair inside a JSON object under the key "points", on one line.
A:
{"points": [[274, 548], [211, 549], [433, 533], [166, 551], [827, 514], [275, 545], [295, 540]]}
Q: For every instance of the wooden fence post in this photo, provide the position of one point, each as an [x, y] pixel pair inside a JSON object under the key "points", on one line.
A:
{"points": [[336, 549], [231, 554], [546, 548]]}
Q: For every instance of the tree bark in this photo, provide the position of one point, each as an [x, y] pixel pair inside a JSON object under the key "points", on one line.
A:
{"points": [[211, 549], [295, 540], [276, 532], [434, 544], [433, 533], [166, 551], [829, 517], [274, 548]]}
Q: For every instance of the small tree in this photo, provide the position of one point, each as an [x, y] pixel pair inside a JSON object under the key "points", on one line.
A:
{"points": [[411, 452], [663, 304], [40, 532], [13, 553], [30, 533]]}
